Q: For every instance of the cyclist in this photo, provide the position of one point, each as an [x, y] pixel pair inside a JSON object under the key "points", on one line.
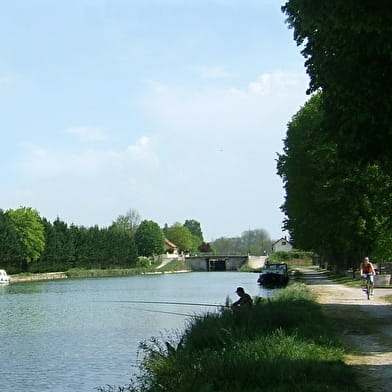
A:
{"points": [[367, 270]]}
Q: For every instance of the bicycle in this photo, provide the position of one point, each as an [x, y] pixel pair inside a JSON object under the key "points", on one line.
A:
{"points": [[368, 284]]}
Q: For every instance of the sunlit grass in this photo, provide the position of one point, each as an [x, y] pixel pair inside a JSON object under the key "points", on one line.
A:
{"points": [[280, 344], [102, 273], [175, 265]]}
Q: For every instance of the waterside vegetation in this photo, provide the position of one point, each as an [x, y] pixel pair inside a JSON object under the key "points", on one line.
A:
{"points": [[32, 244], [175, 265], [280, 344], [336, 162]]}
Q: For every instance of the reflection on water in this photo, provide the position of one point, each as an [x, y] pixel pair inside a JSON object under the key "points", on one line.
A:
{"points": [[74, 335]]}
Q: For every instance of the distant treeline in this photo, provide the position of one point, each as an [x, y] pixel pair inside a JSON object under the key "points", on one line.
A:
{"points": [[29, 243]]}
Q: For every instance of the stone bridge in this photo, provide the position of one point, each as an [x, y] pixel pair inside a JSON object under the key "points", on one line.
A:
{"points": [[223, 262]]}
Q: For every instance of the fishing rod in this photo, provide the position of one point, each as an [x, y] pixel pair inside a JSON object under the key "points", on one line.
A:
{"points": [[170, 303], [162, 311]]}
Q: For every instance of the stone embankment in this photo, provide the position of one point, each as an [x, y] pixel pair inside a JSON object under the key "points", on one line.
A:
{"points": [[38, 277]]}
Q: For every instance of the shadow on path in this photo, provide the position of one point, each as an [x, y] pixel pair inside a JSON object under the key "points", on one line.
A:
{"points": [[363, 325]]}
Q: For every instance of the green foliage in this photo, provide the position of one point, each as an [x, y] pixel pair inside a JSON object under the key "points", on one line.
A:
{"points": [[175, 265], [32, 245], [348, 52], [255, 242], [287, 256], [59, 248], [336, 164], [279, 344], [149, 239], [67, 248], [11, 249], [27, 225], [128, 222], [143, 261], [181, 236], [75, 273], [333, 206], [194, 227]]}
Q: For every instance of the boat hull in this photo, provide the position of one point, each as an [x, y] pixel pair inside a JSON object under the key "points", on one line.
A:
{"points": [[274, 275], [272, 279]]}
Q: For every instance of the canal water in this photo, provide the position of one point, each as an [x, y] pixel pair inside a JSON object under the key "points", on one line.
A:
{"points": [[78, 334]]}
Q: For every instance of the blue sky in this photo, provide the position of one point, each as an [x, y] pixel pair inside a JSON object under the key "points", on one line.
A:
{"points": [[174, 108]]}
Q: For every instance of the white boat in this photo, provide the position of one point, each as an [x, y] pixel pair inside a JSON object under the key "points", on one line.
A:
{"points": [[4, 278]]}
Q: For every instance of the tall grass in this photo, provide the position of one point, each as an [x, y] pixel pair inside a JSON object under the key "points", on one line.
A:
{"points": [[173, 266], [103, 273], [280, 344]]}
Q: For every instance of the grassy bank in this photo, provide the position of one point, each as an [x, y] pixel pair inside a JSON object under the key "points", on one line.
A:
{"points": [[172, 266], [281, 344], [74, 273]]}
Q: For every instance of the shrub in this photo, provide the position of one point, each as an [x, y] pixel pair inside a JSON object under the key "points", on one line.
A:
{"points": [[143, 261]]}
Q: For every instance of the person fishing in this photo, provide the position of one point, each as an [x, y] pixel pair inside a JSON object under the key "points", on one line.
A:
{"points": [[245, 299]]}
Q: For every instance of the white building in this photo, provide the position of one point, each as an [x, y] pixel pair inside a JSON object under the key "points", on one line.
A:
{"points": [[282, 245]]}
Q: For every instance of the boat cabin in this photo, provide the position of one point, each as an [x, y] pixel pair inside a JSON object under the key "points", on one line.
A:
{"points": [[4, 278]]}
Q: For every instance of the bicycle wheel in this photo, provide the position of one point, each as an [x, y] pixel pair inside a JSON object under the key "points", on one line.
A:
{"points": [[368, 288]]}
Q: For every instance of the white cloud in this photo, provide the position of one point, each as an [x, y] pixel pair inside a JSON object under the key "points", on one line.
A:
{"points": [[276, 84], [88, 134], [205, 140], [271, 98], [142, 152]]}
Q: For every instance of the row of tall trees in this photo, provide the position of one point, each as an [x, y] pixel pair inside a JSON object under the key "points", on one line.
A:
{"points": [[31, 243], [336, 164]]}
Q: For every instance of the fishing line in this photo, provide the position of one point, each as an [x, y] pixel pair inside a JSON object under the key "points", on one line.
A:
{"points": [[162, 311], [170, 303]]}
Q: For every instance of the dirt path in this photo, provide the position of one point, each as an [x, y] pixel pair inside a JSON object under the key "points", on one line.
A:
{"points": [[365, 326]]}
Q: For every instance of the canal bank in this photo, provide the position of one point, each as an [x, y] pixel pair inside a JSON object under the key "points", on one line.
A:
{"points": [[363, 325], [38, 277], [279, 344], [73, 335], [168, 266]]}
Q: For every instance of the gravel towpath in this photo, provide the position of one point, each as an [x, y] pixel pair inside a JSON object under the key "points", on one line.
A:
{"points": [[364, 325]]}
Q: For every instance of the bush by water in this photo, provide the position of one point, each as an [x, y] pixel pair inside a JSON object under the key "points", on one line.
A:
{"points": [[278, 345]]}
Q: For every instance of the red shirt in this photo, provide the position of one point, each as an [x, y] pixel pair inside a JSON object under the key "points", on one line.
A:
{"points": [[367, 269]]}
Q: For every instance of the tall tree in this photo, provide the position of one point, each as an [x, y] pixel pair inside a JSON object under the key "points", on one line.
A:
{"points": [[181, 236], [194, 227], [11, 251], [254, 242], [129, 222], [333, 206], [59, 251], [28, 226], [149, 239], [348, 50], [120, 247]]}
